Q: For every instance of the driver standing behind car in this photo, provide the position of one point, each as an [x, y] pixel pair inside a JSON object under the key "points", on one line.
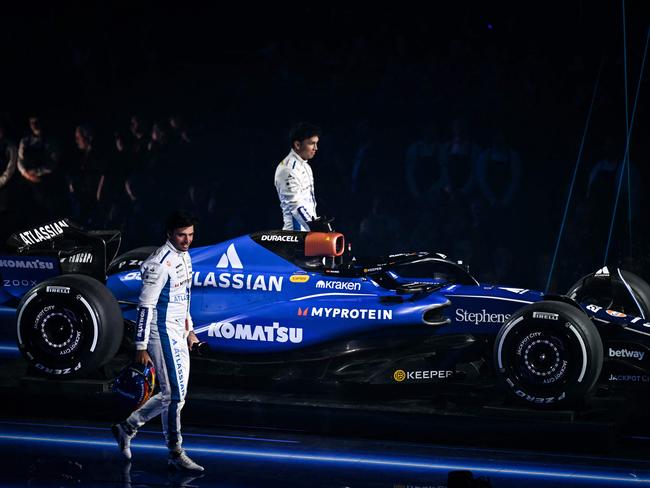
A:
{"points": [[164, 337], [294, 179]]}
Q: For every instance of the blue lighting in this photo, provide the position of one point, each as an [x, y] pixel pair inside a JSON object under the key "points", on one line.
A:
{"points": [[141, 431], [360, 461], [9, 350]]}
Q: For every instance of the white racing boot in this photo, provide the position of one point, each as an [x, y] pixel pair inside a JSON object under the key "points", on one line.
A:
{"points": [[180, 460], [123, 439]]}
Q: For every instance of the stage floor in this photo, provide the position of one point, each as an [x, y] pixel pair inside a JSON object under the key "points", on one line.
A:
{"points": [[71, 452], [58, 434]]}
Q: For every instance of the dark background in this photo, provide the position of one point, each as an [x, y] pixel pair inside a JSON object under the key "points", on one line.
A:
{"points": [[240, 75]]}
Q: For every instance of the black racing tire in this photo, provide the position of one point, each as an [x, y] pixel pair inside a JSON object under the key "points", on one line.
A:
{"points": [[599, 293], [548, 354], [132, 259], [69, 326]]}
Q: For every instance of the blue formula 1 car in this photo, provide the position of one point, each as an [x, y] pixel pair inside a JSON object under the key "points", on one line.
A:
{"points": [[282, 304]]}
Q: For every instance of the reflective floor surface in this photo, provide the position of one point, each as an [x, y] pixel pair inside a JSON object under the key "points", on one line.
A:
{"points": [[53, 453]]}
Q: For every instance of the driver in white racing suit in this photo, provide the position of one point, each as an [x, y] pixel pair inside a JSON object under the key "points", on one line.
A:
{"points": [[294, 179], [164, 336]]}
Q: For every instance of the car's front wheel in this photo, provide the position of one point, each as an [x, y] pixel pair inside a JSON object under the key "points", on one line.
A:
{"points": [[631, 294], [69, 326], [548, 353]]}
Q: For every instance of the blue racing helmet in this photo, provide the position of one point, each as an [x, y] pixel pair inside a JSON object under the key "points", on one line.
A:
{"points": [[135, 384]]}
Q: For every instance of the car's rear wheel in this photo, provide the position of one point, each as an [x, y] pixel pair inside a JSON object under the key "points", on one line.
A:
{"points": [[633, 298], [548, 353], [69, 326], [132, 259]]}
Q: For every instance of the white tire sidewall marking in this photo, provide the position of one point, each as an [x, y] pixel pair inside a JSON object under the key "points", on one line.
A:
{"points": [[583, 348], [20, 315], [503, 338], [92, 316]]}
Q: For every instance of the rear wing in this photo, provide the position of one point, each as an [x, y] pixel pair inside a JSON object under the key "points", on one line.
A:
{"points": [[78, 250]]}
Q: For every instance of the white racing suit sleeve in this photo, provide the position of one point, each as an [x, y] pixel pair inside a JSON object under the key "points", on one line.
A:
{"points": [[292, 195], [154, 278]]}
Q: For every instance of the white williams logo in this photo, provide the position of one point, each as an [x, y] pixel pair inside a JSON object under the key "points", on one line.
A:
{"points": [[230, 259], [518, 291], [602, 272]]}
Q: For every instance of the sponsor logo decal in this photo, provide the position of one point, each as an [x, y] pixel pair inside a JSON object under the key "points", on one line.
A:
{"points": [[639, 378], [626, 353], [180, 298], [401, 375], [57, 371], [299, 278], [130, 262], [238, 281], [26, 264], [143, 314], [82, 257], [481, 317], [338, 285], [545, 316], [133, 275], [274, 238], [371, 270], [594, 308], [57, 289], [346, 313], [11, 283], [43, 233], [614, 313], [179, 366], [230, 259], [534, 399], [264, 333]]}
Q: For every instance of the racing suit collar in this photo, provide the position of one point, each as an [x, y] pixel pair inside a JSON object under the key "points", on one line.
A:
{"points": [[295, 155], [172, 248]]}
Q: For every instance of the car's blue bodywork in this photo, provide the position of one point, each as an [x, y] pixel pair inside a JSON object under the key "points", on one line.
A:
{"points": [[260, 298], [265, 303]]}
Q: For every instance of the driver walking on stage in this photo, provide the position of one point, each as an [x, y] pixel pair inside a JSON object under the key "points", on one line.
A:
{"points": [[294, 179], [164, 337]]}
